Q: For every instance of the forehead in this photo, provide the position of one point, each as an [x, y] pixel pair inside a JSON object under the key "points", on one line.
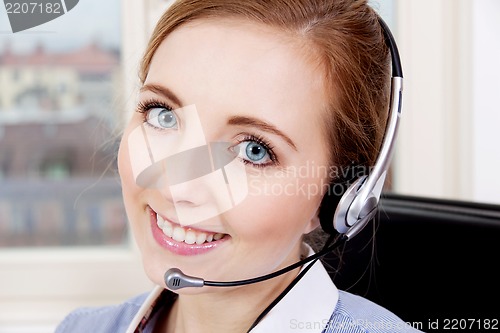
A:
{"points": [[242, 67]]}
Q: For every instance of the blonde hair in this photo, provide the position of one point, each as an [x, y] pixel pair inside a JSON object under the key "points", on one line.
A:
{"points": [[349, 43]]}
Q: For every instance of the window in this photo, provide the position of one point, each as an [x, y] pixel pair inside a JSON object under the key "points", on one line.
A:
{"points": [[63, 229], [52, 147]]}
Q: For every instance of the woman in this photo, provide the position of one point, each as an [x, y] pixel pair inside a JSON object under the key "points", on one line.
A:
{"points": [[247, 112]]}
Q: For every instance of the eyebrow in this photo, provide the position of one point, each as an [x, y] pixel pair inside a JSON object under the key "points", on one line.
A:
{"points": [[161, 90], [262, 125]]}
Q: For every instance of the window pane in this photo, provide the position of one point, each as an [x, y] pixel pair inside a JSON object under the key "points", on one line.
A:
{"points": [[59, 110]]}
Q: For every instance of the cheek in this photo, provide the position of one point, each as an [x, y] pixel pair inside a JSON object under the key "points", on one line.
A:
{"points": [[124, 155], [130, 190], [277, 207], [124, 167]]}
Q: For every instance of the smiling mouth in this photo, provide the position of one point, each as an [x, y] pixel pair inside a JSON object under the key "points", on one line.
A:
{"points": [[186, 235]]}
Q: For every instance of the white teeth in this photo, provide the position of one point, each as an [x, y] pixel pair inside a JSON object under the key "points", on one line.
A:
{"points": [[179, 234], [160, 221], [167, 229], [190, 237], [187, 236], [201, 238]]}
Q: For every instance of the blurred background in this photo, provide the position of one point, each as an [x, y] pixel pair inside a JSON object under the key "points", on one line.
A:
{"points": [[68, 86]]}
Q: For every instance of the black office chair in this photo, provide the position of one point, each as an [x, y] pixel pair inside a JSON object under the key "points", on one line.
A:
{"points": [[428, 260]]}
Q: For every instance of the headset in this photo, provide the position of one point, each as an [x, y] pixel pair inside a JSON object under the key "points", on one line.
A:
{"points": [[345, 215], [349, 213]]}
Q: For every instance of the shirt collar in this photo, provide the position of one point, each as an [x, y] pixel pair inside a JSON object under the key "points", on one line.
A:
{"points": [[310, 303]]}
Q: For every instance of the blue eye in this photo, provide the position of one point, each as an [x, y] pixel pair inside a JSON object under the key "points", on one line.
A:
{"points": [[162, 118], [256, 152]]}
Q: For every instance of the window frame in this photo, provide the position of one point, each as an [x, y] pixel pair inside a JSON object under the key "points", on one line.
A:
{"points": [[39, 286]]}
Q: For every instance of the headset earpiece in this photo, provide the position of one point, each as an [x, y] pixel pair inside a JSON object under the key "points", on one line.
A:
{"points": [[327, 209], [346, 177], [347, 213]]}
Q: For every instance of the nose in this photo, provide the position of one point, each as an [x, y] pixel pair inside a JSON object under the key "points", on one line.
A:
{"points": [[198, 199], [203, 182]]}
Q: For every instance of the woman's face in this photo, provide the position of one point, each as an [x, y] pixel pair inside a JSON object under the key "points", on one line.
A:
{"points": [[256, 91]]}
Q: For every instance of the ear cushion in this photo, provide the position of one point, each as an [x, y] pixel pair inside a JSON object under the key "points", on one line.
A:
{"points": [[327, 208]]}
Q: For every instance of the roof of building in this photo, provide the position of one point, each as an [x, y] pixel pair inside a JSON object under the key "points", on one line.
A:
{"points": [[91, 58]]}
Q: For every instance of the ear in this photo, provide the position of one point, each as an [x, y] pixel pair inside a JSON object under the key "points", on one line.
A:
{"points": [[313, 223]]}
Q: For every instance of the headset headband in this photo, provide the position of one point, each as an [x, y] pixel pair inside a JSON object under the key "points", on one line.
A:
{"points": [[359, 203]]}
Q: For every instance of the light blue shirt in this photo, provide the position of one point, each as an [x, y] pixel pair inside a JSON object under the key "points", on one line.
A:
{"points": [[353, 314]]}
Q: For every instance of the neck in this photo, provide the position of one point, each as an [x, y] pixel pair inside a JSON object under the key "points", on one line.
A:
{"points": [[224, 309]]}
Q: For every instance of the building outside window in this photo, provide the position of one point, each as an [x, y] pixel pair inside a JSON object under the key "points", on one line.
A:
{"points": [[59, 115]]}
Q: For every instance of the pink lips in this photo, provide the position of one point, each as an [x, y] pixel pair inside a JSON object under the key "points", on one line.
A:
{"points": [[180, 248]]}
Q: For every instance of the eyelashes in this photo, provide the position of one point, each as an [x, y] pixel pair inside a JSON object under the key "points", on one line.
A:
{"points": [[145, 106], [252, 149]]}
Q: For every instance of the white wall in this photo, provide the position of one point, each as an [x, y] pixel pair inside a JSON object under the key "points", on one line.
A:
{"points": [[486, 100], [450, 52]]}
